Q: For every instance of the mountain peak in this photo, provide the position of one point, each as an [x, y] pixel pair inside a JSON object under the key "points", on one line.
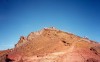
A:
{"points": [[51, 44]]}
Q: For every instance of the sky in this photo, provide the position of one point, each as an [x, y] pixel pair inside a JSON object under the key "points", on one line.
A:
{"points": [[20, 17]]}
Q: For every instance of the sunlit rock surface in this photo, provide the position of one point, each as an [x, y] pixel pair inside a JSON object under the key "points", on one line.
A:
{"points": [[53, 45]]}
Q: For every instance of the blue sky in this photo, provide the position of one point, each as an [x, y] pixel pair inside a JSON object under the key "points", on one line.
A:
{"points": [[20, 17]]}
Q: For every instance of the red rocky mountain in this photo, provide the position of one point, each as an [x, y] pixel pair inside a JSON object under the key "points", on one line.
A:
{"points": [[53, 45]]}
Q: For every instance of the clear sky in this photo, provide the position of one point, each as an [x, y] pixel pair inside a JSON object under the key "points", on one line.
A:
{"points": [[20, 17]]}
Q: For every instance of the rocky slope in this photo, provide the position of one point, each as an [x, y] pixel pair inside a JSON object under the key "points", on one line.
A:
{"points": [[53, 45]]}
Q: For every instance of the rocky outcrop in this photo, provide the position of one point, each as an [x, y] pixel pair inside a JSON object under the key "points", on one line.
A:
{"points": [[53, 45], [21, 41]]}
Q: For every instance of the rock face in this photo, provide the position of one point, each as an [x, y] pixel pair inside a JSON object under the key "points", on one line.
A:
{"points": [[21, 41], [53, 45]]}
